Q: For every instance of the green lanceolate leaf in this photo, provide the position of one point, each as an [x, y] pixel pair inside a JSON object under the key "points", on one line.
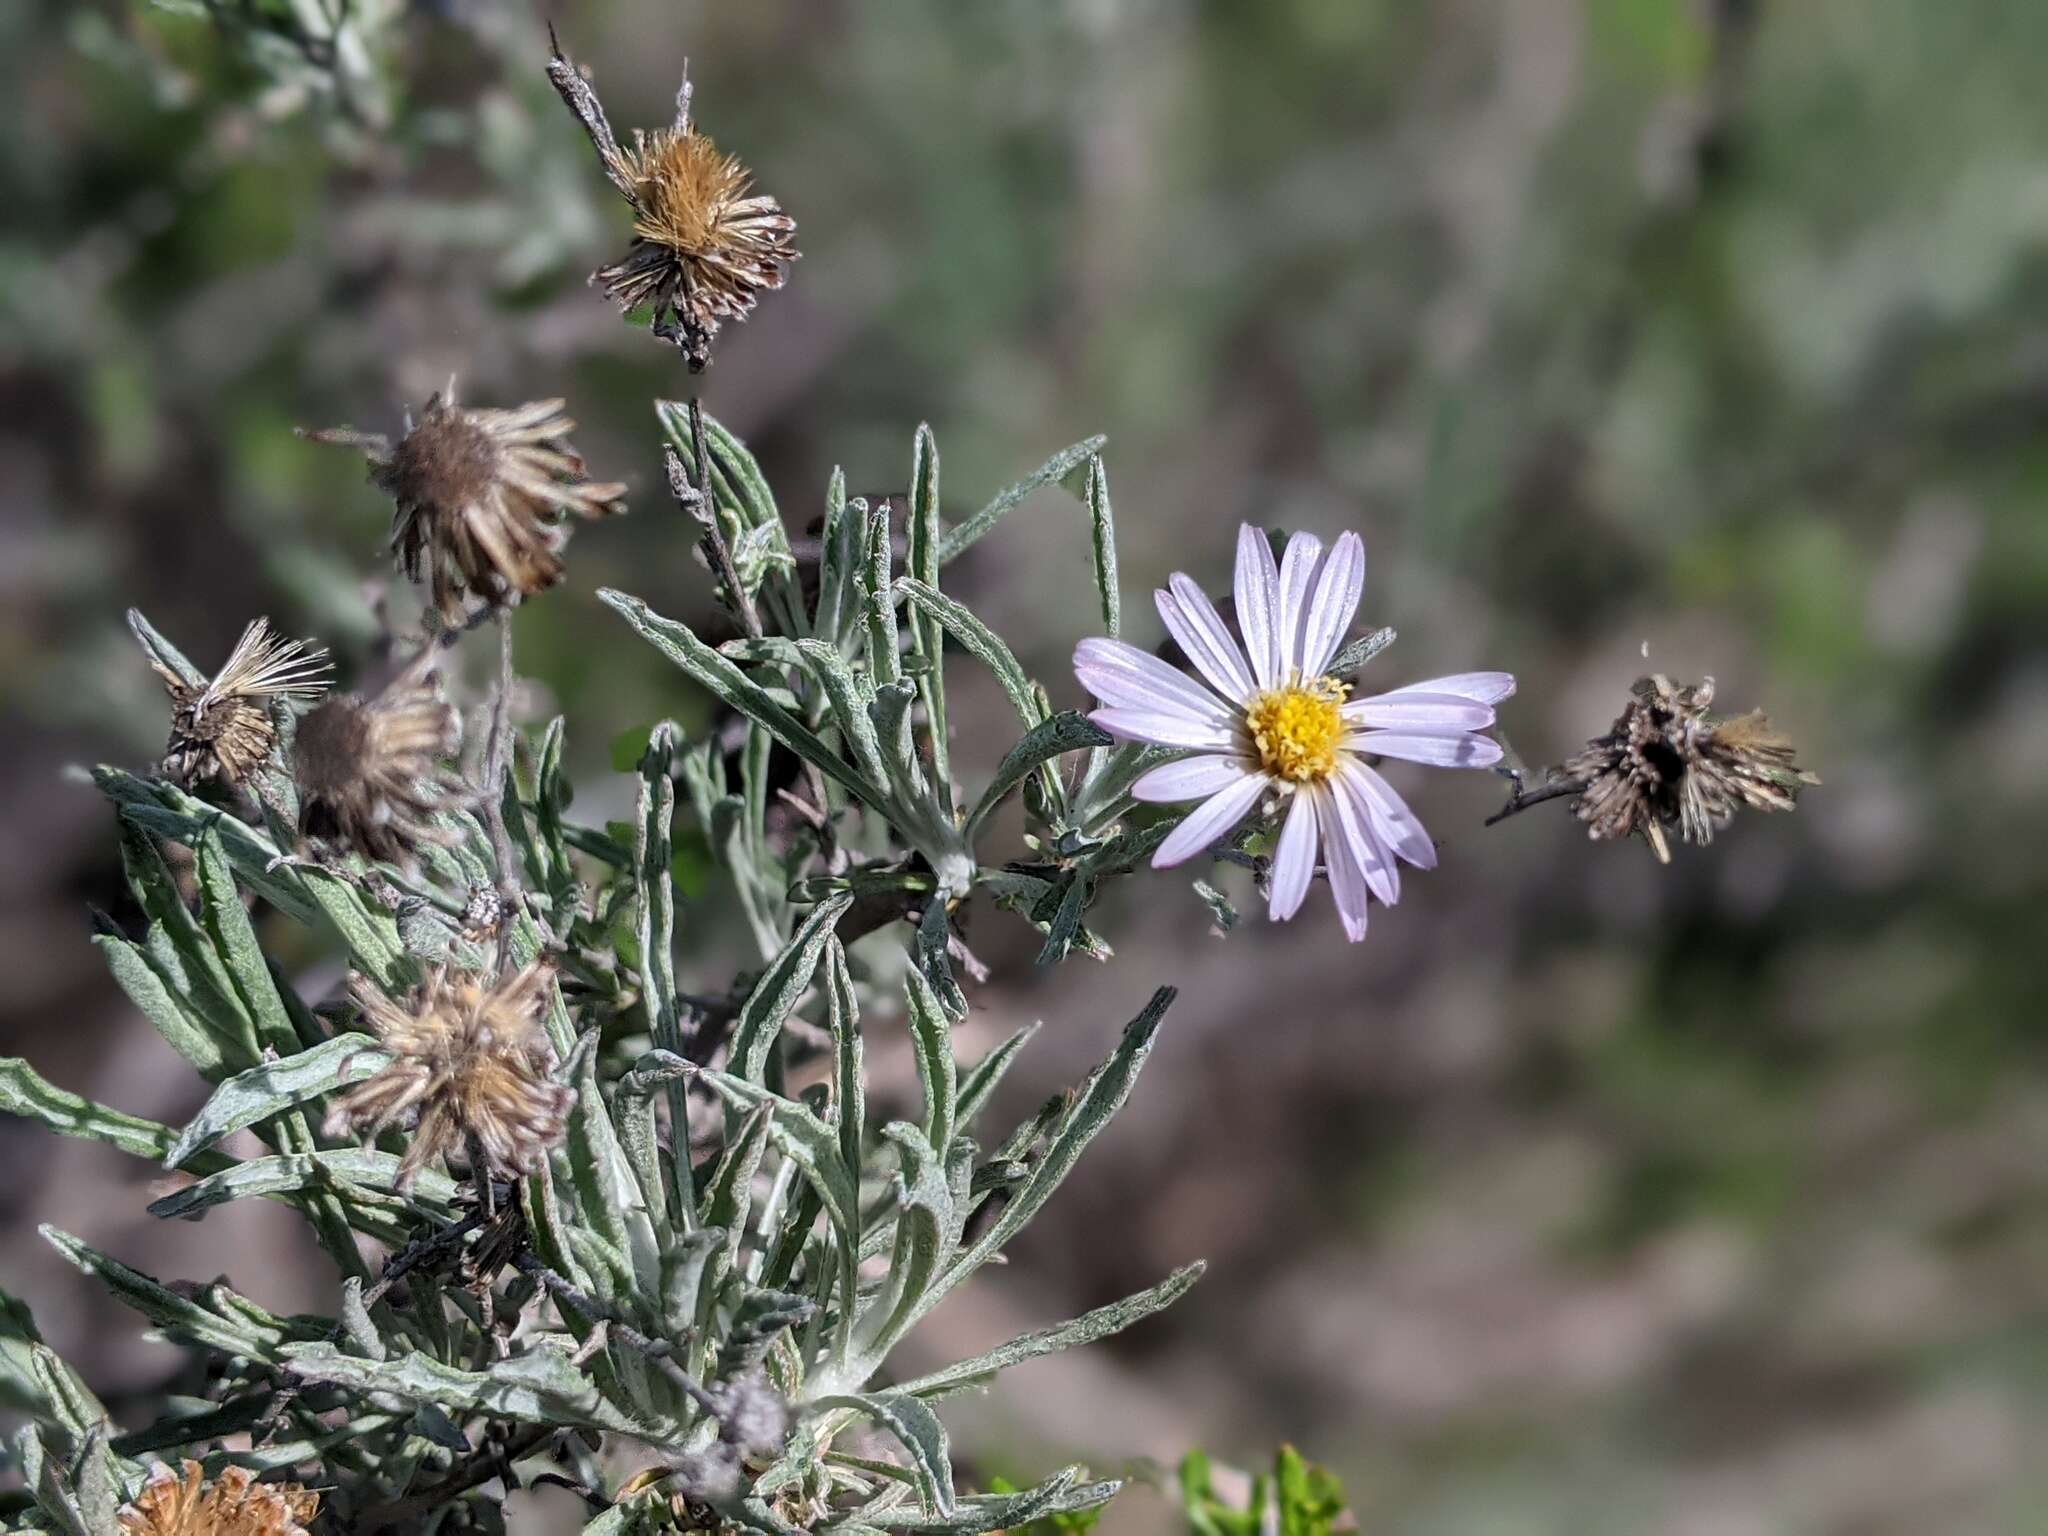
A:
{"points": [[885, 660], [849, 1090], [921, 1434], [1065, 732], [538, 1387], [1058, 467], [163, 653], [927, 639], [1085, 1329], [781, 987], [980, 1083], [1360, 651], [359, 1172], [262, 1091], [671, 1200], [23, 1092], [850, 699], [179, 1316], [1102, 543], [1062, 1494], [158, 992], [981, 642], [924, 1223], [931, 1037], [935, 958]]}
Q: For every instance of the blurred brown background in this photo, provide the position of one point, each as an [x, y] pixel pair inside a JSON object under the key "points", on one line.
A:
{"points": [[1585, 1197]]}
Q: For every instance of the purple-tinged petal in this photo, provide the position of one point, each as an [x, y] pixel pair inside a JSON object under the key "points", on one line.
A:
{"points": [[1208, 821], [1408, 710], [1376, 864], [1392, 822], [1294, 859], [1127, 678], [1445, 751], [1479, 687], [1256, 586], [1192, 778], [1334, 604], [1298, 565], [1347, 881], [1199, 630], [1156, 728]]}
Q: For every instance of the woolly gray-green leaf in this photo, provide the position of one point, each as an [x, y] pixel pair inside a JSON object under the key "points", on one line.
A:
{"points": [[921, 1434], [177, 1315], [23, 1092], [1102, 544], [781, 987], [263, 1091], [927, 640], [537, 1387], [931, 1038], [1058, 467], [361, 1169], [1067, 731], [1359, 652], [1061, 1494], [981, 1082], [981, 642]]}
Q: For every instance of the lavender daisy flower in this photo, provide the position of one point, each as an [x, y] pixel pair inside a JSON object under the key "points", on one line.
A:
{"points": [[1272, 720]]}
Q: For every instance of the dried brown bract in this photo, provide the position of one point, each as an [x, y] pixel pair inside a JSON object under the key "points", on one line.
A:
{"points": [[705, 245], [234, 1504], [470, 1067], [372, 772], [224, 729], [1669, 763], [483, 498]]}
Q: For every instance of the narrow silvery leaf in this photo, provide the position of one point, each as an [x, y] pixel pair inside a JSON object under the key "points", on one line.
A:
{"points": [[1085, 1329], [981, 642], [781, 987], [165, 654], [1068, 731], [356, 1324], [1062, 1494], [1062, 934], [839, 581], [23, 1092], [266, 1090], [672, 1200], [1359, 652], [1058, 467], [921, 1434], [1102, 531], [935, 958], [850, 1091], [931, 1037], [850, 698], [885, 658], [151, 990], [538, 1387], [924, 1222], [177, 1315], [607, 1193], [926, 637], [292, 1173], [980, 1083], [736, 689]]}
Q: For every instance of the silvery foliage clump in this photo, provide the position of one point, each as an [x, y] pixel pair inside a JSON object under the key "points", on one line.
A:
{"points": [[688, 1313]]}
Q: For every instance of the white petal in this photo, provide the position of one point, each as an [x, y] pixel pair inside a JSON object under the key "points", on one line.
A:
{"points": [[1158, 729], [1209, 821], [1451, 751], [1334, 603], [1199, 630], [1298, 564], [1128, 678], [1294, 859], [1479, 687], [1256, 587], [1375, 860], [1411, 711], [1192, 778], [1347, 881], [1392, 821]]}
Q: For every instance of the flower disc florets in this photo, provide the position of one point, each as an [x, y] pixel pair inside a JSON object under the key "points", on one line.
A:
{"points": [[1298, 729], [175, 1503]]}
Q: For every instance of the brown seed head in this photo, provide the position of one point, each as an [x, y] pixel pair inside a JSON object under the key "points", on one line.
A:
{"points": [[223, 729], [371, 772], [234, 1504], [1668, 762], [470, 1067], [481, 500]]}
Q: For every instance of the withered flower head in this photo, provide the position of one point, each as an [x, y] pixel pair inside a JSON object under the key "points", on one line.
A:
{"points": [[223, 729], [371, 771], [705, 245], [1669, 763], [234, 1504], [470, 1065], [483, 498]]}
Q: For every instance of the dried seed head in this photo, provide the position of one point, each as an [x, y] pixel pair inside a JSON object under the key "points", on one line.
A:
{"points": [[370, 771], [1668, 762], [223, 729], [705, 245], [234, 1504], [471, 1068], [482, 498]]}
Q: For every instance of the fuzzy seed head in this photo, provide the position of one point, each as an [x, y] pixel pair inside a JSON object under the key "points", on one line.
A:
{"points": [[371, 771], [223, 729], [471, 1068], [182, 1503]]}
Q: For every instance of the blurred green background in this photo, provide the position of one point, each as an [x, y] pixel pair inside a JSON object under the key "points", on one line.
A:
{"points": [[1585, 1197]]}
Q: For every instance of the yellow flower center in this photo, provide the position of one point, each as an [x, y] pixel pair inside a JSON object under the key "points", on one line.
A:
{"points": [[1297, 728]]}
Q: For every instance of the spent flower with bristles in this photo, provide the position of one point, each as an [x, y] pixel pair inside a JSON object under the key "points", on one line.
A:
{"points": [[372, 772], [705, 246], [1271, 721], [1669, 763], [182, 1503], [471, 1070], [223, 728], [483, 499]]}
